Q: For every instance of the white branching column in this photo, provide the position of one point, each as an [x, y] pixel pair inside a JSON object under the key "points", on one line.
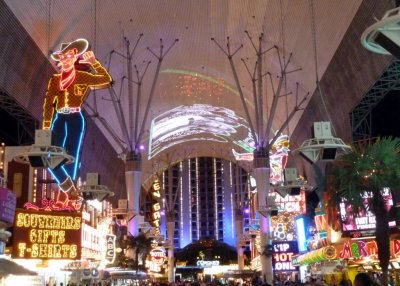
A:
{"points": [[171, 246], [240, 242], [170, 203], [261, 173], [133, 183]]}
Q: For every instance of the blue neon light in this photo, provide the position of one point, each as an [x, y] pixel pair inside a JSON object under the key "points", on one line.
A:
{"points": [[78, 148], [77, 153], [52, 174], [301, 234]]}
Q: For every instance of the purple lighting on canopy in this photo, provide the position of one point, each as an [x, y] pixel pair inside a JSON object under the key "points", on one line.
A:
{"points": [[246, 211]]}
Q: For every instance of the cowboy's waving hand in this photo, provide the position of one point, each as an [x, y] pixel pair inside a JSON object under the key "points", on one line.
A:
{"points": [[88, 58]]}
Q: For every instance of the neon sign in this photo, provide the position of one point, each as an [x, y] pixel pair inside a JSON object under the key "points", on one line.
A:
{"points": [[282, 255], [110, 248], [156, 261], [207, 263], [358, 250], [292, 204], [283, 225], [48, 205], [277, 157], [156, 207], [47, 236], [65, 95]]}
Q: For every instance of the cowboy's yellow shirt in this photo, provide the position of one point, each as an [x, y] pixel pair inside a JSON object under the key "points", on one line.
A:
{"points": [[76, 93]]}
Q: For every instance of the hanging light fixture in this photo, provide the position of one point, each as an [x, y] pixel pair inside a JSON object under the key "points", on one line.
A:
{"points": [[383, 36], [324, 146]]}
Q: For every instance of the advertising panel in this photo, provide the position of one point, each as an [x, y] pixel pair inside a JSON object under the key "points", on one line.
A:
{"points": [[47, 235], [361, 218]]}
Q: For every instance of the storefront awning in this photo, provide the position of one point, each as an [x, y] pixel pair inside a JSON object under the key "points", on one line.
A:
{"points": [[319, 255], [8, 267]]}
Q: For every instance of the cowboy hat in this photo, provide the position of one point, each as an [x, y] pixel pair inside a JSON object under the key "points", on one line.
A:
{"points": [[80, 44]]}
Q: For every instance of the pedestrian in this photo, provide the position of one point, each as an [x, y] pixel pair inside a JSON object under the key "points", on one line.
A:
{"points": [[363, 279]]}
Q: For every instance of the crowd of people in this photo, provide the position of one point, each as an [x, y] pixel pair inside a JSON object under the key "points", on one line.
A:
{"points": [[361, 279]]}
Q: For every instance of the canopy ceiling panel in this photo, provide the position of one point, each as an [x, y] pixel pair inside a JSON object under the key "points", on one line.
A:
{"points": [[195, 71]]}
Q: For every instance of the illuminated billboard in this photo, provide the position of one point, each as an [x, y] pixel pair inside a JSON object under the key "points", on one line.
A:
{"points": [[283, 225], [47, 235], [282, 255], [361, 218], [198, 122]]}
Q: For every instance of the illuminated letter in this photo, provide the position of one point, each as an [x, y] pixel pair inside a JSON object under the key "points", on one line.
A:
{"points": [[21, 247], [33, 235], [346, 252], [156, 207]]}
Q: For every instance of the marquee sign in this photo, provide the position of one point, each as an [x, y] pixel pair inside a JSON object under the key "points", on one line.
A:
{"points": [[282, 255], [45, 235], [358, 249], [207, 263], [156, 207], [157, 257], [110, 247]]}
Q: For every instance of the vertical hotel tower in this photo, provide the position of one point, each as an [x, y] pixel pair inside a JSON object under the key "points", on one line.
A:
{"points": [[205, 194]]}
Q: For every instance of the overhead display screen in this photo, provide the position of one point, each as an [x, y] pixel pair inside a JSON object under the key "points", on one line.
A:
{"points": [[362, 219], [198, 122]]}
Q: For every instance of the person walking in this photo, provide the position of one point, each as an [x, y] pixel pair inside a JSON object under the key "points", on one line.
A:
{"points": [[363, 279]]}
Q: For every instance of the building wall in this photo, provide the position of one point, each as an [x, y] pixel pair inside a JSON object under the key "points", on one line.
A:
{"points": [[204, 193], [350, 74]]}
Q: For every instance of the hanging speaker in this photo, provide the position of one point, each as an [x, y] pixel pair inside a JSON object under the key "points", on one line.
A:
{"points": [[308, 155], [36, 161], [387, 44], [274, 212], [295, 191], [328, 153]]}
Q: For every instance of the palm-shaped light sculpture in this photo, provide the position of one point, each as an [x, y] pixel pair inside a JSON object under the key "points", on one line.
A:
{"points": [[263, 136], [133, 128]]}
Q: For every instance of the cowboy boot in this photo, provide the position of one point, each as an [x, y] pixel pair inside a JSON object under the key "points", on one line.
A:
{"points": [[61, 200], [63, 193], [66, 185], [75, 204]]}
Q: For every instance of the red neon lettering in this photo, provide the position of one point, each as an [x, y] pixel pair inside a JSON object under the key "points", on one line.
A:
{"points": [[372, 248], [396, 247], [346, 251]]}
